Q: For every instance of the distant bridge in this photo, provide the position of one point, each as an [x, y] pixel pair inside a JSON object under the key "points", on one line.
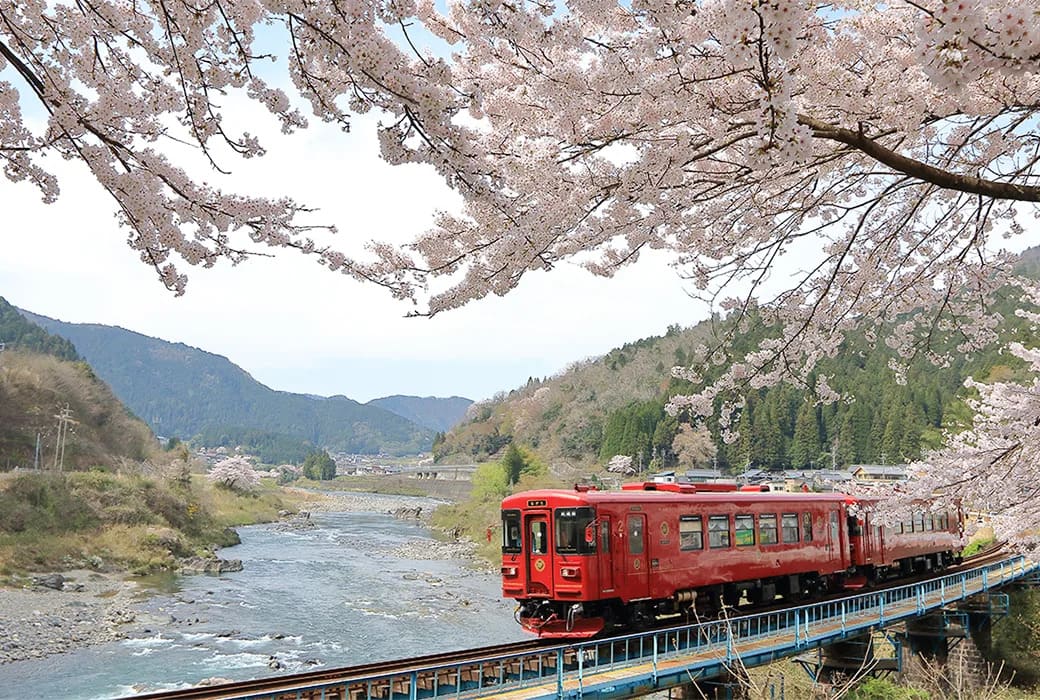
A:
{"points": [[636, 664], [441, 471]]}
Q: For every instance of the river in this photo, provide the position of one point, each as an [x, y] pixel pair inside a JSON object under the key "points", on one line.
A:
{"points": [[339, 594]]}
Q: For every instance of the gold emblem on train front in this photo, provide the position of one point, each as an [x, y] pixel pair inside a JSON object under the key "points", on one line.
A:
{"points": [[539, 564]]}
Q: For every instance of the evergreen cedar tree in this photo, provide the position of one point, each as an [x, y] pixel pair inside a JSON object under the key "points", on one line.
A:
{"points": [[889, 146]]}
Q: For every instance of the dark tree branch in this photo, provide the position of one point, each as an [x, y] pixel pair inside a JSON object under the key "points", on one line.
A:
{"points": [[918, 170]]}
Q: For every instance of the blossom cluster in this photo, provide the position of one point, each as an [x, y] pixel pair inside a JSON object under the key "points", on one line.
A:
{"points": [[880, 150], [235, 473]]}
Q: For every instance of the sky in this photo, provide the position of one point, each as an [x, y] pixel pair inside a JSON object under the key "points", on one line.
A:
{"points": [[297, 327]]}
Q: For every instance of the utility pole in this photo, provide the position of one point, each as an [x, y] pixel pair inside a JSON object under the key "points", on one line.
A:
{"points": [[64, 418], [36, 457]]}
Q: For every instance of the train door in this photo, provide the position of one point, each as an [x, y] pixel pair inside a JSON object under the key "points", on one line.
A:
{"points": [[872, 540], [834, 545], [606, 561], [638, 569], [539, 553]]}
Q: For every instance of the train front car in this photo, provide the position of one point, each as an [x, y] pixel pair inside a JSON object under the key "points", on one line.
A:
{"points": [[550, 564]]}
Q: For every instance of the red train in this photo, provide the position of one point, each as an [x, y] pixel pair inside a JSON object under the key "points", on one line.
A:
{"points": [[583, 561]]}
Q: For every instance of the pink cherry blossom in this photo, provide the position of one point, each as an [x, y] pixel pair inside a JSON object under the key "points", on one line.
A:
{"points": [[880, 150]]}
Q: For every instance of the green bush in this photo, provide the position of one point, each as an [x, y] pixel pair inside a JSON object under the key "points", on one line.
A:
{"points": [[42, 502], [884, 689], [976, 546]]}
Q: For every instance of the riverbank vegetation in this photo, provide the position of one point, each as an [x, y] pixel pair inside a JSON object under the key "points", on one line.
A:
{"points": [[478, 517], [119, 521]]}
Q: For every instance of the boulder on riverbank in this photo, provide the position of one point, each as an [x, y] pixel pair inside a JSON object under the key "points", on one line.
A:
{"points": [[210, 565], [296, 521], [407, 512], [53, 581]]}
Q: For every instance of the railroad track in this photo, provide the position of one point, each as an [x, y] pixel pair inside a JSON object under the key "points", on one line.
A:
{"points": [[289, 685], [350, 683]]}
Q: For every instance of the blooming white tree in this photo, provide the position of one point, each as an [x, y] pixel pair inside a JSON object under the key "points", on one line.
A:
{"points": [[621, 464], [991, 467], [235, 473], [883, 147]]}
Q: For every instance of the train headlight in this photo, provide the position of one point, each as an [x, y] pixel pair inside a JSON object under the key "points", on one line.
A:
{"points": [[509, 571], [569, 572]]}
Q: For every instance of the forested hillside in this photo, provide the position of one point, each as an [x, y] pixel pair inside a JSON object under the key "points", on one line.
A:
{"points": [[614, 405], [17, 333], [189, 393], [428, 411], [34, 390]]}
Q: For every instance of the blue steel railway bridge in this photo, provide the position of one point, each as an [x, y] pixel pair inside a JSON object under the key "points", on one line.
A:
{"points": [[923, 616]]}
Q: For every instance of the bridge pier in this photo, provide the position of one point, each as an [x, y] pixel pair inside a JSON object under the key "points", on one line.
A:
{"points": [[734, 684], [852, 657], [949, 647]]}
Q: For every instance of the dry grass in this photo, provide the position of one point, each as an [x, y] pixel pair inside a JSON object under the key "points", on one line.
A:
{"points": [[125, 522]]}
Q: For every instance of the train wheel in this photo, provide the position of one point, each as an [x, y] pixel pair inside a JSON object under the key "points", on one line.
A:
{"points": [[730, 595], [639, 618], [610, 619], [754, 595]]}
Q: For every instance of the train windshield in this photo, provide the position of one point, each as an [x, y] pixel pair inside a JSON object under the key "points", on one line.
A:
{"points": [[511, 532], [571, 527]]}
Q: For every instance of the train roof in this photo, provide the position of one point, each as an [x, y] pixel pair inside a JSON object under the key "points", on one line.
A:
{"points": [[572, 497]]}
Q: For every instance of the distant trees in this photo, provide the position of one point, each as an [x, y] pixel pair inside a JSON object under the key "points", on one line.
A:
{"points": [[497, 479], [692, 446], [287, 473], [319, 466], [236, 474], [806, 443], [513, 464]]}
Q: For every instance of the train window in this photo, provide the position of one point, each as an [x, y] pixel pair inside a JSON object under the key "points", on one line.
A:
{"points": [[511, 543], [944, 521], [807, 527], [789, 527], [718, 531], [929, 523], [744, 530], [767, 528], [539, 537], [635, 534], [604, 536], [919, 522], [691, 532], [571, 526]]}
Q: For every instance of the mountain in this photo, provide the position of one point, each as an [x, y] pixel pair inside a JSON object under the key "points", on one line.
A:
{"points": [[428, 411], [40, 376], [563, 417], [190, 393], [18, 333], [614, 404]]}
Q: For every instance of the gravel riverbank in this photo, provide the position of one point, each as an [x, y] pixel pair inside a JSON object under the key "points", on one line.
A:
{"points": [[351, 502], [92, 608], [95, 607]]}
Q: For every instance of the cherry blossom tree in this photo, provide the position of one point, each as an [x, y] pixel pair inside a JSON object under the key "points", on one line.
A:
{"points": [[877, 152], [991, 467], [621, 464], [235, 473], [693, 446]]}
